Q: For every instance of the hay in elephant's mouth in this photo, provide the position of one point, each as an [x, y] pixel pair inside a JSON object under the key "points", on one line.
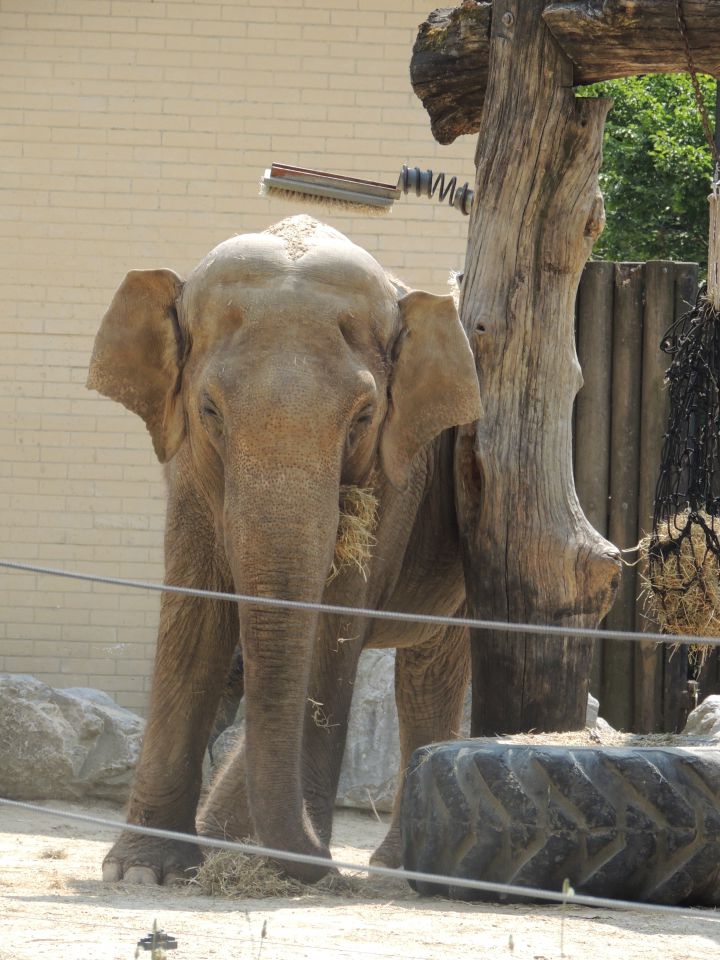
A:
{"points": [[239, 876], [356, 530]]}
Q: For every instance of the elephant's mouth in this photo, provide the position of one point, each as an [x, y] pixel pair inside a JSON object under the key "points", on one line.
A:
{"points": [[356, 529]]}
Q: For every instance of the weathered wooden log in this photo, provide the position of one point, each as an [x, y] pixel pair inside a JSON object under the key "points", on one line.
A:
{"points": [[603, 39], [448, 70], [607, 39], [529, 552]]}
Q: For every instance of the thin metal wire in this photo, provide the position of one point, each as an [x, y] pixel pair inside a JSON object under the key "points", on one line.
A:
{"points": [[508, 889], [507, 627]]}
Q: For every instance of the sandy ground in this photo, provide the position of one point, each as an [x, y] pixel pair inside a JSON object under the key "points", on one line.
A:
{"points": [[53, 905]]}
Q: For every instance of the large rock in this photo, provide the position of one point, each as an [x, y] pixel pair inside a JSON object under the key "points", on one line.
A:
{"points": [[64, 744], [704, 720], [372, 752]]}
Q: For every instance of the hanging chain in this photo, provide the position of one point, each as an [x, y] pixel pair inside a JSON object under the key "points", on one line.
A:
{"points": [[696, 87]]}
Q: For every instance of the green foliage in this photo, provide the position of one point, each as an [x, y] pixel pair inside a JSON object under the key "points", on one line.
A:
{"points": [[656, 169]]}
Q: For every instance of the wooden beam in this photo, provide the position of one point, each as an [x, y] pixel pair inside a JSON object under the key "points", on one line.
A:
{"points": [[607, 39], [449, 68], [603, 39]]}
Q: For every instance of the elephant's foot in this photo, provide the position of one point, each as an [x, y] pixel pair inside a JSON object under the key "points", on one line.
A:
{"points": [[215, 820], [320, 814], [389, 853], [306, 872], [150, 860], [224, 821]]}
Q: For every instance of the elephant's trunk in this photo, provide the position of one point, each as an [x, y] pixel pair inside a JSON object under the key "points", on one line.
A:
{"points": [[280, 538]]}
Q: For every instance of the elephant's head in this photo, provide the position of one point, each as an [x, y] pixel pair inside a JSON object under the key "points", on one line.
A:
{"points": [[287, 364]]}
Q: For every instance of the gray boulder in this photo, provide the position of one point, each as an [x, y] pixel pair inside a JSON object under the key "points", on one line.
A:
{"points": [[372, 752], [593, 708], [64, 744], [704, 720]]}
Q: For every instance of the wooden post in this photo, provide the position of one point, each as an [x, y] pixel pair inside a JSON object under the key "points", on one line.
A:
{"points": [[659, 308], [592, 408], [530, 554], [616, 694]]}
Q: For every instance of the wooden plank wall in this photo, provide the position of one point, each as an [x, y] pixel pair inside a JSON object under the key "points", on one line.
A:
{"points": [[623, 310]]}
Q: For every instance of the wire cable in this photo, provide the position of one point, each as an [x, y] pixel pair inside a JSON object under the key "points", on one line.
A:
{"points": [[344, 611], [416, 875]]}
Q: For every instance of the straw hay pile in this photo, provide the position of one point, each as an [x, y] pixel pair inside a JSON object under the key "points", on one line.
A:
{"points": [[356, 529], [239, 876], [682, 586]]}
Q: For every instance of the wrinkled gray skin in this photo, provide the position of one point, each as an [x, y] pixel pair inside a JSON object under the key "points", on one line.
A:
{"points": [[286, 364]]}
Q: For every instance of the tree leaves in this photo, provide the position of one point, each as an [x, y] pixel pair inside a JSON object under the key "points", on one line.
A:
{"points": [[656, 169]]}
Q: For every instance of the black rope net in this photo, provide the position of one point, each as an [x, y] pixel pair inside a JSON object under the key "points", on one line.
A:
{"points": [[683, 551]]}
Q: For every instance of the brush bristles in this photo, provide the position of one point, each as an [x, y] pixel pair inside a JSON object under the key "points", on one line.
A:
{"points": [[327, 203], [356, 530]]}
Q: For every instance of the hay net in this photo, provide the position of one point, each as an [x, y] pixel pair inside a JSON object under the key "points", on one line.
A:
{"points": [[684, 548]]}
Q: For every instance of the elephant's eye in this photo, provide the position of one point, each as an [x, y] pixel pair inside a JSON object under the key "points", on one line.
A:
{"points": [[360, 426], [209, 412], [365, 417]]}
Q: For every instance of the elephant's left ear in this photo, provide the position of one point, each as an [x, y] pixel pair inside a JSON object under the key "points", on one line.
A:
{"points": [[434, 384]]}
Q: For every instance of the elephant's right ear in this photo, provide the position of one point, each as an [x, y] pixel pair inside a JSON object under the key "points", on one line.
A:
{"points": [[138, 353]]}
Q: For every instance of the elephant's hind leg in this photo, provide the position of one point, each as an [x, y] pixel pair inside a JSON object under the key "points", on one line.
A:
{"points": [[430, 684]]}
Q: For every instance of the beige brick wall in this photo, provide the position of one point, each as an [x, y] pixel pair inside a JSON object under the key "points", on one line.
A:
{"points": [[133, 134]]}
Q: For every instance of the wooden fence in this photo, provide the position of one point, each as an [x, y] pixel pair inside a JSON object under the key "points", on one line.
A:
{"points": [[623, 310]]}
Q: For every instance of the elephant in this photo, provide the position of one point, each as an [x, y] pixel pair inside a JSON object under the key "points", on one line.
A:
{"points": [[287, 367]]}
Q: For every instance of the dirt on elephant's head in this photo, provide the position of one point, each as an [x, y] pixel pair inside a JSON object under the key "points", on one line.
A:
{"points": [[301, 232]]}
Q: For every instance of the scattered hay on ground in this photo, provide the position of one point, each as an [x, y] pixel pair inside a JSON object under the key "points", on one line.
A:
{"points": [[681, 585], [239, 876], [356, 530], [54, 853]]}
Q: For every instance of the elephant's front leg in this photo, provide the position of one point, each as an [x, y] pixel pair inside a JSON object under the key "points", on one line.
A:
{"points": [[326, 717], [430, 684], [195, 643], [226, 812]]}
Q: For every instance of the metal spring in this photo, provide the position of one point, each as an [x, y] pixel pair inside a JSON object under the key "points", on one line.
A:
{"points": [[424, 184]]}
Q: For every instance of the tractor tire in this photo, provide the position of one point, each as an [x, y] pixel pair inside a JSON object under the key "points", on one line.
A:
{"points": [[631, 823]]}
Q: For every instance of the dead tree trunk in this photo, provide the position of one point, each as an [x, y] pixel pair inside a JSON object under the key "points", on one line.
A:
{"points": [[529, 552]]}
